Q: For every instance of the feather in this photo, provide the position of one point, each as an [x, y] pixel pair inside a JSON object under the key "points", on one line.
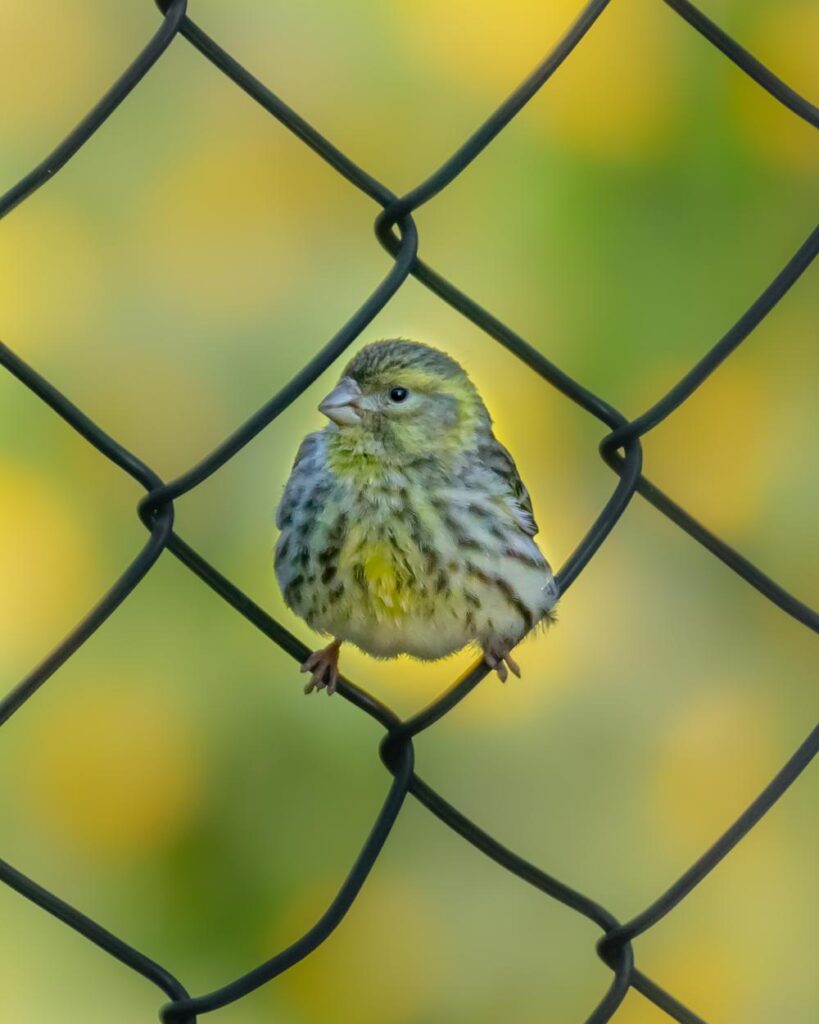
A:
{"points": [[498, 459]]}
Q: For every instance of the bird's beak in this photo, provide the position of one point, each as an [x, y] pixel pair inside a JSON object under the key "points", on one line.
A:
{"points": [[341, 405]]}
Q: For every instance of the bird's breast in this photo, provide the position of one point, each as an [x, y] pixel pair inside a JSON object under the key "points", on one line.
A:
{"points": [[380, 561], [396, 566]]}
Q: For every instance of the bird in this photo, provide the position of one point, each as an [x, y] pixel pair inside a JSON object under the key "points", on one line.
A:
{"points": [[404, 527]]}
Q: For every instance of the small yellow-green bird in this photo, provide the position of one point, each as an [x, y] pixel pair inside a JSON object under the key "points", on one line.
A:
{"points": [[405, 527]]}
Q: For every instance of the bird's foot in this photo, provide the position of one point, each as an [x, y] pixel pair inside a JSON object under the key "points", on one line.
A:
{"points": [[323, 668], [500, 659]]}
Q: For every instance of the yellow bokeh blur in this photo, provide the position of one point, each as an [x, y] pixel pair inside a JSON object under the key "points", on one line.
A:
{"points": [[598, 103], [715, 454], [244, 188], [702, 974], [387, 943], [783, 35], [708, 765], [113, 770], [48, 561], [50, 277], [28, 43]]}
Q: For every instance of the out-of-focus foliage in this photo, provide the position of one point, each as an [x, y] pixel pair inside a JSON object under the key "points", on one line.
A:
{"points": [[171, 780]]}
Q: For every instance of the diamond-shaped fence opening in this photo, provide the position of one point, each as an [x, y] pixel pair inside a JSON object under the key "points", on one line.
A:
{"points": [[620, 448]]}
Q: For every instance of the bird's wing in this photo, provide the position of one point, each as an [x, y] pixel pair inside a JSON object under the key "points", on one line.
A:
{"points": [[308, 454], [497, 459]]}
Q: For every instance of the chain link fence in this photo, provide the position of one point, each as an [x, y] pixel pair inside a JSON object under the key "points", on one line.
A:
{"points": [[620, 448]]}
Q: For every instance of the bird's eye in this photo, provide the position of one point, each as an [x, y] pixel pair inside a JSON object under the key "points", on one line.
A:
{"points": [[398, 395]]}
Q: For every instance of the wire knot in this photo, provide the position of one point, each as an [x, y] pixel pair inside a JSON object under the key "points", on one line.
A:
{"points": [[395, 214], [392, 746], [154, 506], [610, 946], [177, 1012]]}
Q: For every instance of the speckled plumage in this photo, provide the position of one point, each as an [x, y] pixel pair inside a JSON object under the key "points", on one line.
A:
{"points": [[406, 528]]}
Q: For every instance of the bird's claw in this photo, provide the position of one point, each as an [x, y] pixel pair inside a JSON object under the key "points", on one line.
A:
{"points": [[323, 668], [502, 663]]}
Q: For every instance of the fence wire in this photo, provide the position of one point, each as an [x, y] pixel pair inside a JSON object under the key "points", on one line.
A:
{"points": [[620, 448]]}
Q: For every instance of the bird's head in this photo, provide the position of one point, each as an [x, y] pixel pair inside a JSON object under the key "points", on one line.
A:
{"points": [[401, 399]]}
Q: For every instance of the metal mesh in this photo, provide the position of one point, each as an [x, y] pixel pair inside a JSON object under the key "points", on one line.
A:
{"points": [[621, 449]]}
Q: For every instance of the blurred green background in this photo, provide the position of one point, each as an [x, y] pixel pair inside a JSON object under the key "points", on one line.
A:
{"points": [[171, 780]]}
